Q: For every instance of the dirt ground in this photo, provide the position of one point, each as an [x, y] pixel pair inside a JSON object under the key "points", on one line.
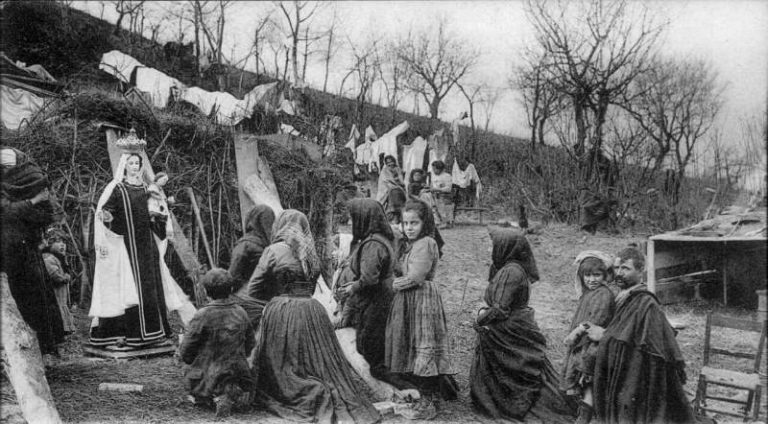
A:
{"points": [[462, 273]]}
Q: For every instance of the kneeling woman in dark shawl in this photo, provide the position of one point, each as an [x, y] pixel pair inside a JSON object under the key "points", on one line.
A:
{"points": [[511, 376], [301, 370], [246, 254]]}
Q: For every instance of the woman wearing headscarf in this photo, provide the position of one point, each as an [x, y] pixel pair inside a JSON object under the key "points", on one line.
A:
{"points": [[301, 369], [391, 191], [27, 208], [511, 376], [246, 254], [370, 271]]}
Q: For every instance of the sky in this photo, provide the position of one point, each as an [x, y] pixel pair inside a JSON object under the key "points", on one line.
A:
{"points": [[731, 35]]}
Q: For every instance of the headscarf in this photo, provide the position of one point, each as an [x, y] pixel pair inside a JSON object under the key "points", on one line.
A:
{"points": [[292, 228], [388, 179], [605, 258], [258, 226], [511, 246], [414, 187], [368, 218], [21, 177]]}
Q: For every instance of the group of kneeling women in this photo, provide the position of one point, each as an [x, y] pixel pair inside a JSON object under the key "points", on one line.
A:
{"points": [[263, 340]]}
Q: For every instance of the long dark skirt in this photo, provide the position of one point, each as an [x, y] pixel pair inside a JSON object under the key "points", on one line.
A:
{"points": [[33, 291], [511, 376], [301, 370]]}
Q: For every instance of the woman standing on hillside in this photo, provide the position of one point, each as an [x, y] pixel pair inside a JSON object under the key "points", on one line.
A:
{"points": [[246, 255]]}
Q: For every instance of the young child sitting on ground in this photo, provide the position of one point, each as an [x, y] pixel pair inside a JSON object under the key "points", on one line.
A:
{"points": [[216, 346], [596, 307]]}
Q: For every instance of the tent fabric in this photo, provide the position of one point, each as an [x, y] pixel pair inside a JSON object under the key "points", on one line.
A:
{"points": [[18, 106], [22, 92], [228, 109], [38, 70], [157, 84], [264, 95], [354, 134], [413, 155], [438, 146], [118, 64], [388, 141]]}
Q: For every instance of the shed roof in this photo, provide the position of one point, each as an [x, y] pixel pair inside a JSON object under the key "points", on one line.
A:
{"points": [[733, 224]]}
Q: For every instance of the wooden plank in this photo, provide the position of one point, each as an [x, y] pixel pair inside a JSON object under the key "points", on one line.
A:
{"points": [[719, 320], [255, 182], [246, 155], [670, 237], [129, 354], [650, 266], [23, 363]]}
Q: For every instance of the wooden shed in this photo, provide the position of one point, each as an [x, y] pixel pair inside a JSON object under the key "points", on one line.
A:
{"points": [[721, 259]]}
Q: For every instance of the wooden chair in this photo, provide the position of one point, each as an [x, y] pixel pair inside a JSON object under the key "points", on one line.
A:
{"points": [[741, 381]]}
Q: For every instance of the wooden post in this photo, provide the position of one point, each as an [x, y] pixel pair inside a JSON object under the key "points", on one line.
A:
{"points": [[25, 367], [199, 220], [724, 252], [650, 264]]}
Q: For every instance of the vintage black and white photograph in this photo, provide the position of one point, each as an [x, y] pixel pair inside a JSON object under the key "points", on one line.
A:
{"points": [[359, 212]]}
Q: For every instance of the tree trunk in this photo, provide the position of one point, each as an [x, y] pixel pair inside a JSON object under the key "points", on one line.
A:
{"points": [[118, 23], [434, 107], [199, 73], [328, 60], [306, 55], [25, 368]]}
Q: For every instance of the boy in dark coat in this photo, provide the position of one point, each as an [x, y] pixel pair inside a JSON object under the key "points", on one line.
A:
{"points": [[216, 347]]}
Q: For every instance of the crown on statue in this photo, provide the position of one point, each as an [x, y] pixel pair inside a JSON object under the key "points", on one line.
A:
{"points": [[131, 143]]}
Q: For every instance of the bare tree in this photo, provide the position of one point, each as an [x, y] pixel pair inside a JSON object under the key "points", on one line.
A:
{"points": [[365, 70], [210, 18], [391, 76], [676, 102], [488, 100], [331, 48], [123, 8], [593, 52], [472, 95], [540, 98], [434, 63], [260, 31], [298, 15]]}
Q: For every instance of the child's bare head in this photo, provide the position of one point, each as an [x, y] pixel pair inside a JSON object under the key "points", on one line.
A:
{"points": [[218, 283], [593, 272]]}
